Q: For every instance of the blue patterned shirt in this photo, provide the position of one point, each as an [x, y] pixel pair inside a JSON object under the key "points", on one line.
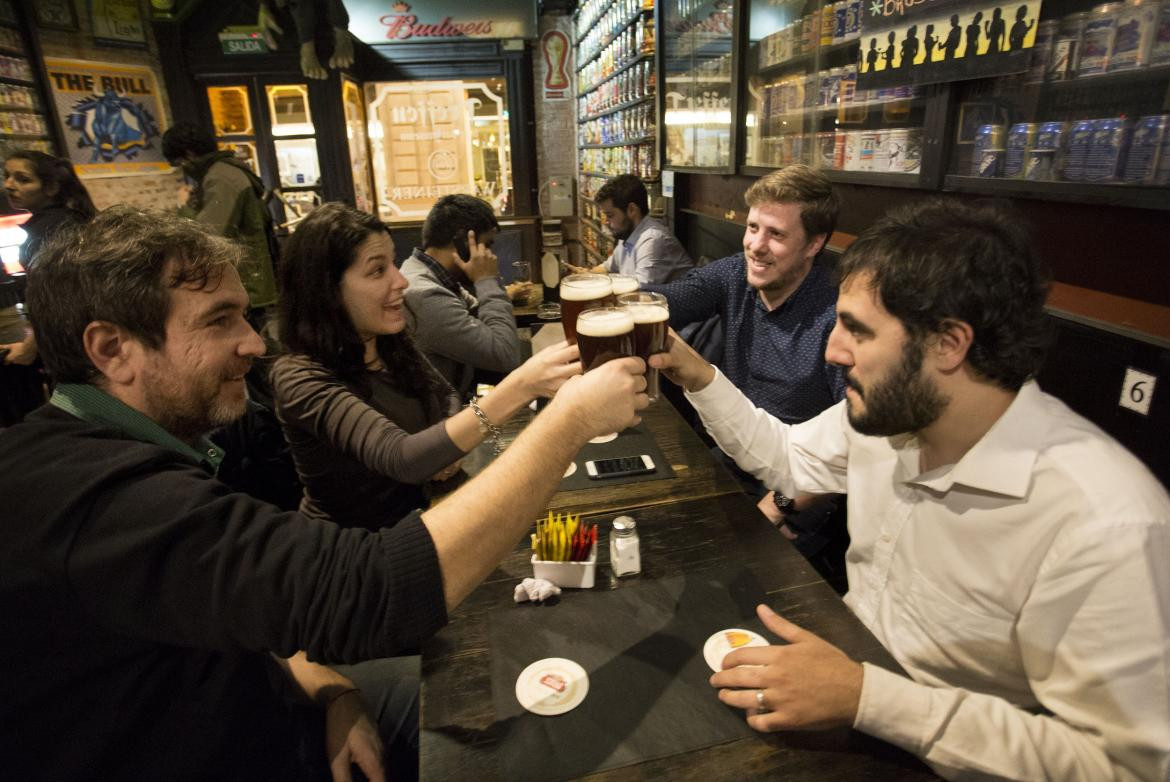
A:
{"points": [[777, 358]]}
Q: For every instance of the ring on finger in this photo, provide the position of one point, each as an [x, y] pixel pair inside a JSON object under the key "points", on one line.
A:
{"points": [[760, 701]]}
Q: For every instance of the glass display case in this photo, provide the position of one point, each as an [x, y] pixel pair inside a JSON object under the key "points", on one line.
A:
{"points": [[803, 104], [699, 101], [1088, 121], [23, 121], [617, 118]]}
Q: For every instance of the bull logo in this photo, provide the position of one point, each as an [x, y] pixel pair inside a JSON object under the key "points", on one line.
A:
{"points": [[113, 125]]}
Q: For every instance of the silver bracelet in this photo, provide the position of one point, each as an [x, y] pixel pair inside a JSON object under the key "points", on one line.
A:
{"points": [[487, 428]]}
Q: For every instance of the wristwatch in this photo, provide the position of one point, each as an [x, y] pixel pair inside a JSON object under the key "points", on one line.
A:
{"points": [[786, 505]]}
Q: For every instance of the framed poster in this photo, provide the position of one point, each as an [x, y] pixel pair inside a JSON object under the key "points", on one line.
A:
{"points": [[111, 116], [118, 23], [55, 14]]}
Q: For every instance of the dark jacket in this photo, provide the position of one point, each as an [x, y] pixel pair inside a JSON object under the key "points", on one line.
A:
{"points": [[140, 599]]}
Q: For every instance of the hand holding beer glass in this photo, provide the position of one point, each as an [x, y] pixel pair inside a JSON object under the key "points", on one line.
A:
{"points": [[603, 334], [651, 315]]}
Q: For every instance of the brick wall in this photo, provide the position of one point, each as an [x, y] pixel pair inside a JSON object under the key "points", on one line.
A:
{"points": [[556, 121]]}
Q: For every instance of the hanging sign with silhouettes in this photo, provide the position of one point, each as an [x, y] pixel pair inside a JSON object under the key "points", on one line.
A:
{"points": [[923, 42]]}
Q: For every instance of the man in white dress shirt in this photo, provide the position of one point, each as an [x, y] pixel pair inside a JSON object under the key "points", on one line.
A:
{"points": [[1012, 557], [645, 248]]}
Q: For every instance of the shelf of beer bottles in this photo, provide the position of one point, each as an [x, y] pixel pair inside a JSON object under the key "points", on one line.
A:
{"points": [[628, 104], [601, 12], [584, 59], [804, 59], [593, 254], [617, 72], [627, 143]]}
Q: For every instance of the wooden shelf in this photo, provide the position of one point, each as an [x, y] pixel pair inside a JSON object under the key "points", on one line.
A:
{"points": [[807, 58], [617, 72], [1140, 196], [627, 105], [1139, 320], [631, 143]]}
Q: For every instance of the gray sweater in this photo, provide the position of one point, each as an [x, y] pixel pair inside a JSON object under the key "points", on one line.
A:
{"points": [[459, 332], [363, 459]]}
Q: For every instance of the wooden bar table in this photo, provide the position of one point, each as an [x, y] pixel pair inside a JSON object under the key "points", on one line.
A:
{"points": [[696, 473], [473, 727]]}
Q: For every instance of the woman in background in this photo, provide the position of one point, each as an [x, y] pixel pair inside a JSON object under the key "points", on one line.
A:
{"points": [[370, 422], [46, 186]]}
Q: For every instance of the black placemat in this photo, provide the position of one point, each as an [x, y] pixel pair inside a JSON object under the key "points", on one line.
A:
{"points": [[630, 442], [642, 646]]}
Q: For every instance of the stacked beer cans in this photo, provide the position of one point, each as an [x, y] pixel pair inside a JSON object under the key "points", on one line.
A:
{"points": [[1101, 151]]}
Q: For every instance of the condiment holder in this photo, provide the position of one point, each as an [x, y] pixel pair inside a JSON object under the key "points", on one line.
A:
{"points": [[575, 575]]}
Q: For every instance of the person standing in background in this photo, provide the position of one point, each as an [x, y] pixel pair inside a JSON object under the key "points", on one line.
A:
{"points": [[229, 198], [47, 187]]}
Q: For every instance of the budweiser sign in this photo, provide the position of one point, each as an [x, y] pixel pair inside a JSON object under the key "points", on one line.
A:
{"points": [[404, 26]]}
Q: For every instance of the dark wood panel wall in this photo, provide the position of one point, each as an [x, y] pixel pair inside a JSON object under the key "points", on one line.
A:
{"points": [[1117, 250]]}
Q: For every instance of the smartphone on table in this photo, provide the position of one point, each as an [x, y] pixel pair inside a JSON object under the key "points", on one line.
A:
{"points": [[619, 467]]}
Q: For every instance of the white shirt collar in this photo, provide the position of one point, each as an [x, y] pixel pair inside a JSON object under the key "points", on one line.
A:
{"points": [[1001, 462]]}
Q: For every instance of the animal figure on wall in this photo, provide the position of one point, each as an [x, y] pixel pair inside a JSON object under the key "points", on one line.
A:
{"points": [[113, 125]]}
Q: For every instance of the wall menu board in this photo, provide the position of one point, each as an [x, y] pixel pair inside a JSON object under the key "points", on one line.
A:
{"points": [[949, 40]]}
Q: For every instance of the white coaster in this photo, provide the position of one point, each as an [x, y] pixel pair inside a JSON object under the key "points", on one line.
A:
{"points": [[721, 643], [572, 468], [605, 438], [552, 686]]}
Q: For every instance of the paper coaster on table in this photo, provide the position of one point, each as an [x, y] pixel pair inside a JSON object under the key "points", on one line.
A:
{"points": [[725, 641], [552, 686], [604, 438]]}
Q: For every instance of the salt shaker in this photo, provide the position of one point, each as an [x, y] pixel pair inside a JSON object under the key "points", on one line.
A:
{"points": [[624, 556]]}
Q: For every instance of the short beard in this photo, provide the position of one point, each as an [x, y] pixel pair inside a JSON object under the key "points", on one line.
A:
{"points": [[185, 416], [903, 402]]}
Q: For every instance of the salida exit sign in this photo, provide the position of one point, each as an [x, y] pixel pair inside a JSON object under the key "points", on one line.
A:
{"points": [[251, 42]]}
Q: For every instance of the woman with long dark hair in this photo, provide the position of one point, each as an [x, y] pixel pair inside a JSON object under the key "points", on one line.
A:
{"points": [[370, 422], [46, 186]]}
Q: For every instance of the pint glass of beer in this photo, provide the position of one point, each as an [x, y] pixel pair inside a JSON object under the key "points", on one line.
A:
{"points": [[623, 283], [579, 291], [603, 334], [651, 316]]}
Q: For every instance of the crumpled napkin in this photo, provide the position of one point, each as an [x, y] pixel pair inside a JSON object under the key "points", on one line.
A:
{"points": [[535, 589]]}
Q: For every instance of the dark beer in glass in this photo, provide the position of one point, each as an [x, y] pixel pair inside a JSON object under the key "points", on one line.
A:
{"points": [[603, 334], [579, 291], [651, 316]]}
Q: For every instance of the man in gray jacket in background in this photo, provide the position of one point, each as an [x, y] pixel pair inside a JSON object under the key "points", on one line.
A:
{"points": [[460, 331]]}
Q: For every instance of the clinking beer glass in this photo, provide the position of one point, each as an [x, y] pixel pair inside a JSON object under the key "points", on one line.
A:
{"points": [[651, 315], [579, 291], [603, 334]]}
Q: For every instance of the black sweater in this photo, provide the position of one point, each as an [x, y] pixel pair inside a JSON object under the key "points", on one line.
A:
{"points": [[139, 598]]}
